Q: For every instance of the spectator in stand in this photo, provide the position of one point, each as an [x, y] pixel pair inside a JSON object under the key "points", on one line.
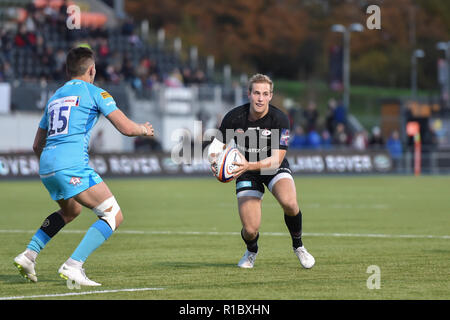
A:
{"points": [[116, 60], [340, 114], [311, 115], [30, 22], [40, 47], [359, 141], [137, 85], [38, 16], [47, 62], [152, 81], [6, 72], [395, 148], [6, 42], [326, 141], [313, 139], [60, 59], [129, 31], [103, 49], [112, 74], [24, 38], [51, 16], [330, 122], [199, 77], [48, 21], [376, 139], [174, 79], [187, 76], [430, 139], [340, 137], [127, 70], [153, 68], [141, 74], [299, 140], [134, 40], [128, 27]]}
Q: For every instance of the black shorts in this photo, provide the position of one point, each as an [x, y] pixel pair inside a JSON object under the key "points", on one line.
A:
{"points": [[251, 184]]}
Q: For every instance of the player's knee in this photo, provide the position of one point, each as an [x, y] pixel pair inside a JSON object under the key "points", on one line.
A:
{"points": [[119, 219], [250, 233], [290, 207], [109, 211], [69, 214]]}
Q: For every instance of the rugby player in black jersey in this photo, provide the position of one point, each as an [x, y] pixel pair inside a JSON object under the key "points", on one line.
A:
{"points": [[261, 133]]}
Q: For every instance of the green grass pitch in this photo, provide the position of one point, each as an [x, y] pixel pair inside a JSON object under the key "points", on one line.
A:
{"points": [[181, 236]]}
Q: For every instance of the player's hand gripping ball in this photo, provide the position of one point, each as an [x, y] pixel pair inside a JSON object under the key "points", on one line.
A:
{"points": [[224, 165]]}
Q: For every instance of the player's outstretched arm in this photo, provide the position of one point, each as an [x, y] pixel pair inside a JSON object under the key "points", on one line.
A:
{"points": [[39, 141], [127, 126]]}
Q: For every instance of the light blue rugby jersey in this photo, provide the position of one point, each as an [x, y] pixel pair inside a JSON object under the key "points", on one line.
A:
{"points": [[69, 117]]}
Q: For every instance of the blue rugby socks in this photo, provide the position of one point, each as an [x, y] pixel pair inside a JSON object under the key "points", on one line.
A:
{"points": [[98, 233], [49, 228]]}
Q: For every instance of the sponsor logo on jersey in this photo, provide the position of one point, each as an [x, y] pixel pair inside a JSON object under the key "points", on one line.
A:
{"points": [[239, 130], [75, 181], [105, 95], [266, 133], [284, 138], [73, 102], [252, 150]]}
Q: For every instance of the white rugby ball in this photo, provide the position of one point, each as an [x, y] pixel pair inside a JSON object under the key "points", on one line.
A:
{"points": [[225, 166]]}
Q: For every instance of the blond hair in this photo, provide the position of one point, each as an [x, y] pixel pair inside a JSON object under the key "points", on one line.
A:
{"points": [[259, 78]]}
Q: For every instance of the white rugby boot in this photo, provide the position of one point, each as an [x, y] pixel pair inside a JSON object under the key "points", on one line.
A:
{"points": [[248, 259], [77, 275], [25, 267], [306, 259]]}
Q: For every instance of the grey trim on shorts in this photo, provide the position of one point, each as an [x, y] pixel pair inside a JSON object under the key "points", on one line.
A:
{"points": [[250, 193], [277, 178]]}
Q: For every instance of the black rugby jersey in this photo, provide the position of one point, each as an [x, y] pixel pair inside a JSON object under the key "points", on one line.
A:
{"points": [[256, 139]]}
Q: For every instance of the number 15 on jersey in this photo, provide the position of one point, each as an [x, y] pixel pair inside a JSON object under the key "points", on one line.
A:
{"points": [[59, 114]]}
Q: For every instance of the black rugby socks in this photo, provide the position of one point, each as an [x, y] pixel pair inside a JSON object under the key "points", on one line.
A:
{"points": [[252, 245], [53, 224], [294, 225]]}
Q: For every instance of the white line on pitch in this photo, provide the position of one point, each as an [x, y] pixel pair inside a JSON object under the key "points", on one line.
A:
{"points": [[78, 293], [377, 206], [215, 233]]}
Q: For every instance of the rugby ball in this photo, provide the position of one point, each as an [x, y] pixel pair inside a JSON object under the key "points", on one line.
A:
{"points": [[225, 166]]}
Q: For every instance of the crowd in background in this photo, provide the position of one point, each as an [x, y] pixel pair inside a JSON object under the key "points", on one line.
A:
{"points": [[29, 38], [310, 131], [34, 49]]}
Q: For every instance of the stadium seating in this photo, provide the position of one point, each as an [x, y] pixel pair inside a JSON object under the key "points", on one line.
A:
{"points": [[31, 59]]}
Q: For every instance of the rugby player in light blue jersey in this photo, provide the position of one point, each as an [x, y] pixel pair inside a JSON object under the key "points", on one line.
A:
{"points": [[61, 143]]}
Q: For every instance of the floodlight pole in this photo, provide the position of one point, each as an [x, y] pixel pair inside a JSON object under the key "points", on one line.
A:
{"points": [[346, 68], [346, 57], [446, 47], [418, 53]]}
